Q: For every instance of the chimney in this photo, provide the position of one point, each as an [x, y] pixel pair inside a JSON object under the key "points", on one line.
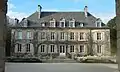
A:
{"points": [[39, 11], [86, 11], [16, 21]]}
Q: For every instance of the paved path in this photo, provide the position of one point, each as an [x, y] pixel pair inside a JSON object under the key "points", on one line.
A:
{"points": [[60, 67]]}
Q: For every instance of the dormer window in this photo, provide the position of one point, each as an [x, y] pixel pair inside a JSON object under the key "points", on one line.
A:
{"points": [[81, 24], [62, 23], [98, 22], [25, 22], [52, 23], [43, 24], [72, 23]]}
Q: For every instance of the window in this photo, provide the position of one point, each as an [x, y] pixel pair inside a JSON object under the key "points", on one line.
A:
{"points": [[43, 35], [62, 35], [72, 35], [81, 24], [28, 34], [62, 23], [98, 48], [52, 47], [52, 35], [72, 48], [52, 23], [19, 35], [98, 36], [19, 48], [43, 24], [81, 35], [98, 22], [42, 48], [28, 48], [81, 48]]}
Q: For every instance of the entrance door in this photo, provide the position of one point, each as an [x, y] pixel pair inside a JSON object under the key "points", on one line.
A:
{"points": [[62, 50]]}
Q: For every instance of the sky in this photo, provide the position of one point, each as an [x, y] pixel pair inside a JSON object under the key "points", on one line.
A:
{"points": [[104, 9]]}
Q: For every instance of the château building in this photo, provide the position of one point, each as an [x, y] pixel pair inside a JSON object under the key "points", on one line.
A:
{"points": [[60, 34]]}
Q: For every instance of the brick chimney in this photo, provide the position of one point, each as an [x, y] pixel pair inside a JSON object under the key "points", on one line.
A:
{"points": [[39, 11], [86, 11]]}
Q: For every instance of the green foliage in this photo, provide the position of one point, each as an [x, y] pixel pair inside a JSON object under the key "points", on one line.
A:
{"points": [[113, 35]]}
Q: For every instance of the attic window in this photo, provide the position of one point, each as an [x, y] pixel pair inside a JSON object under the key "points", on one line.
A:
{"points": [[52, 23], [81, 24], [62, 23], [25, 22], [72, 23], [43, 24], [98, 22]]}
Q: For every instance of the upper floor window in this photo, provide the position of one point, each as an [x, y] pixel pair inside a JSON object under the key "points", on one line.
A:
{"points": [[72, 23], [72, 48], [19, 47], [62, 35], [52, 35], [81, 35], [62, 22], [19, 34], [72, 35], [52, 47], [52, 23], [43, 24], [42, 48], [98, 22], [28, 48], [81, 48], [99, 49], [99, 37], [81, 24], [29, 35], [43, 35]]}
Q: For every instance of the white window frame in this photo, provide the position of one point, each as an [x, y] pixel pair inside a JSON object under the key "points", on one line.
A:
{"points": [[82, 35], [52, 35], [72, 36], [19, 47], [72, 48], [99, 38], [81, 24], [100, 23], [62, 35], [73, 23], [62, 21], [29, 34], [27, 47], [82, 50], [52, 23], [42, 48], [19, 34], [52, 48], [99, 48], [42, 35]]}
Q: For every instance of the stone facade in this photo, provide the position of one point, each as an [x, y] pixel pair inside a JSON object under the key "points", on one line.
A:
{"points": [[62, 43]]}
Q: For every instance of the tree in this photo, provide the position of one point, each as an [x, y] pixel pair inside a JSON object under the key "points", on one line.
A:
{"points": [[113, 35]]}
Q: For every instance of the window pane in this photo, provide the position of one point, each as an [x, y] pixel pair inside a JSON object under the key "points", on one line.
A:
{"points": [[72, 35], [42, 35], [52, 35], [19, 35], [81, 48], [81, 36], [62, 35], [98, 36]]}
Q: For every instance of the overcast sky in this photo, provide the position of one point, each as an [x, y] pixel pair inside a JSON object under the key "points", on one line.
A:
{"points": [[104, 9]]}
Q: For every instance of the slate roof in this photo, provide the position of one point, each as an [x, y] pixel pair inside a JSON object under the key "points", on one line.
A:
{"points": [[79, 17]]}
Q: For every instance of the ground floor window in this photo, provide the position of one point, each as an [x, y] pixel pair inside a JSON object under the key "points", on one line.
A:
{"points": [[52, 47], [42, 48], [99, 48], [19, 47], [81, 48], [62, 49], [28, 48], [71, 48]]}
